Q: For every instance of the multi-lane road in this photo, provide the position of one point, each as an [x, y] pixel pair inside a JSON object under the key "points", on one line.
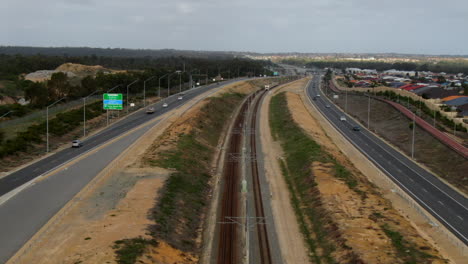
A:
{"points": [[444, 203], [25, 212]]}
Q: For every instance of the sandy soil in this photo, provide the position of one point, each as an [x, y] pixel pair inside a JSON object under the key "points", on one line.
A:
{"points": [[393, 126], [355, 215], [292, 245], [108, 212]]}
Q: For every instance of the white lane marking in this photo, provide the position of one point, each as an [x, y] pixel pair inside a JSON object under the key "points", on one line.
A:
{"points": [[441, 202], [401, 161], [424, 189], [411, 179], [461, 218]]}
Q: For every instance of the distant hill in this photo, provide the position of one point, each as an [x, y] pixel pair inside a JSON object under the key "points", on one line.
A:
{"points": [[114, 52]]}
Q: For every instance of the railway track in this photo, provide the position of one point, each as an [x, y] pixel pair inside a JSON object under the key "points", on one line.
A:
{"points": [[228, 246], [229, 232]]}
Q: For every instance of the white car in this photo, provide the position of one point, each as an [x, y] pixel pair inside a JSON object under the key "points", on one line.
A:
{"points": [[180, 98], [165, 105], [76, 143], [343, 118]]}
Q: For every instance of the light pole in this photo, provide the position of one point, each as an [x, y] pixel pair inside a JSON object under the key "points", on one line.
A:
{"points": [[180, 82], [159, 86], [107, 110], [412, 143], [454, 124], [368, 112], [84, 112], [47, 121], [144, 89], [7, 113], [128, 106], [169, 83], [346, 100]]}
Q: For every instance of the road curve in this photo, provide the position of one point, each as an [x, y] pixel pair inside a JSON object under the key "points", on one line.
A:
{"points": [[26, 212], [444, 203]]}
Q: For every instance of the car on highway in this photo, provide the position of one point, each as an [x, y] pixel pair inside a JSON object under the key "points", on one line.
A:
{"points": [[327, 106], [180, 98], [343, 118], [356, 128], [150, 110], [165, 105], [76, 143], [318, 95]]}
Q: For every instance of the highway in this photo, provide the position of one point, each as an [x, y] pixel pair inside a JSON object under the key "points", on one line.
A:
{"points": [[24, 213], [444, 203]]}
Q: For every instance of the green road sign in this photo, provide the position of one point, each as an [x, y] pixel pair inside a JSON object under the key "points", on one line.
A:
{"points": [[113, 101], [275, 74]]}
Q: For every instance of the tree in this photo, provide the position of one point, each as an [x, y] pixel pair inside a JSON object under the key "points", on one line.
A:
{"points": [[58, 86], [88, 85], [37, 94]]}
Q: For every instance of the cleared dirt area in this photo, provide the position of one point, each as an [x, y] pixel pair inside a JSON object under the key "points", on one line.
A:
{"points": [[293, 249], [394, 127], [120, 206], [367, 223]]}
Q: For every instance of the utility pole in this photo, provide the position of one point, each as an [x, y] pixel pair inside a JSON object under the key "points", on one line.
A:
{"points": [[368, 112], [412, 143], [346, 100], [180, 81], [144, 89], [159, 86], [47, 121], [128, 106], [7, 113]]}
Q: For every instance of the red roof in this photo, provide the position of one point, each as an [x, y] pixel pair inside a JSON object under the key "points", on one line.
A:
{"points": [[410, 87]]}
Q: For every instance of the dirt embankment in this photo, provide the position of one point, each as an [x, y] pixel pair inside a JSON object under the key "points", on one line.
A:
{"points": [[73, 70], [367, 224], [394, 127], [121, 205]]}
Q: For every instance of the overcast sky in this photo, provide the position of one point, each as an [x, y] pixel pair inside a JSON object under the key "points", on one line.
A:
{"points": [[404, 26]]}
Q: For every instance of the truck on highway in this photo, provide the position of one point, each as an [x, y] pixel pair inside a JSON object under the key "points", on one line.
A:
{"points": [[267, 87]]}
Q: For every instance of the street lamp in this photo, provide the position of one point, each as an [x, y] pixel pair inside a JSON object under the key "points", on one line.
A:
{"points": [[144, 89], [107, 110], [159, 86], [128, 106], [169, 82], [47, 121], [7, 113], [412, 143], [84, 112], [368, 112]]}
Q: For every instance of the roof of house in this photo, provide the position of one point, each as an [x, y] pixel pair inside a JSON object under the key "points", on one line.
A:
{"points": [[458, 101], [452, 97], [440, 93]]}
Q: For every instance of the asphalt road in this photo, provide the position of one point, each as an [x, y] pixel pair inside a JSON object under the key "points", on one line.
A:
{"points": [[444, 203], [28, 173], [26, 212]]}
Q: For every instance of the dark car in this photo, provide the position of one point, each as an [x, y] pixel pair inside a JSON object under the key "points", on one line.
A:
{"points": [[356, 128]]}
